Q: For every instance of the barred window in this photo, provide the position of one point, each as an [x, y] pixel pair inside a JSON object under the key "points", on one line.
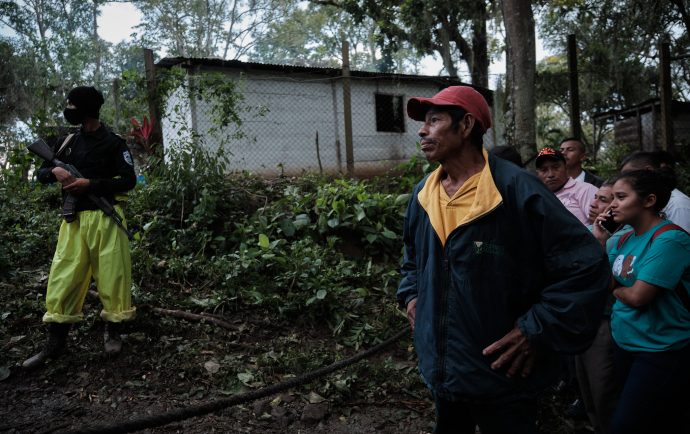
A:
{"points": [[389, 113]]}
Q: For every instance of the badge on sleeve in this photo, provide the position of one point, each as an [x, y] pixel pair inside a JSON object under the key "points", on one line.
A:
{"points": [[128, 158]]}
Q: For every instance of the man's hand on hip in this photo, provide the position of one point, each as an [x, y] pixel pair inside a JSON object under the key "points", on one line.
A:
{"points": [[513, 348]]}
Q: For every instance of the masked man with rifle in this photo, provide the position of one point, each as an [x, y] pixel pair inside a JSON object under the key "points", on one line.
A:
{"points": [[90, 243]]}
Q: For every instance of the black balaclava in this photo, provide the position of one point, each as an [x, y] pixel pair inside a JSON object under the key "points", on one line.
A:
{"points": [[87, 102]]}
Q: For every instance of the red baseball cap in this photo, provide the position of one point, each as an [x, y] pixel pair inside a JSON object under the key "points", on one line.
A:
{"points": [[463, 97]]}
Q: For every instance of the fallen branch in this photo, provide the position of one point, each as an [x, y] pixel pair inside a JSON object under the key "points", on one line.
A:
{"points": [[210, 318], [193, 317]]}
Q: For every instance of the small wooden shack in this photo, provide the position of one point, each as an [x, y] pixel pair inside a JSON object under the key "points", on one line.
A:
{"points": [[639, 126]]}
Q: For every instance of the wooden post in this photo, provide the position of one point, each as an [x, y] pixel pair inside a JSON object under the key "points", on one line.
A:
{"points": [[640, 133], [318, 154], [665, 95], [336, 129], [575, 127], [116, 106], [347, 110], [156, 137]]}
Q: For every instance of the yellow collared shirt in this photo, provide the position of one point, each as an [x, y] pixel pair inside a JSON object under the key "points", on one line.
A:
{"points": [[476, 197]]}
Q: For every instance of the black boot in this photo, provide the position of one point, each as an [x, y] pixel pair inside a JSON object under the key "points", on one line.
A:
{"points": [[55, 345], [112, 339]]}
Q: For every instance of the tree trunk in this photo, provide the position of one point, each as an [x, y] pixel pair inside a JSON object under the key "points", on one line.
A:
{"points": [[480, 52], [444, 50], [521, 65], [96, 47]]}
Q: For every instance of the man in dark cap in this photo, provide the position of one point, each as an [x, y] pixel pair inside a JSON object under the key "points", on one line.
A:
{"points": [[574, 195], [89, 244], [497, 275]]}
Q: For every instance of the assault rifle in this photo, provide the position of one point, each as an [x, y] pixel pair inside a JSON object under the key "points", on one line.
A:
{"points": [[41, 148]]}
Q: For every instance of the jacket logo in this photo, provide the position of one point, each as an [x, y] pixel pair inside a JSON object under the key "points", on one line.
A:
{"points": [[128, 158], [487, 248]]}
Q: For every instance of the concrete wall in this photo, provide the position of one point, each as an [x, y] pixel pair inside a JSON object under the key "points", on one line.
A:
{"points": [[297, 107]]}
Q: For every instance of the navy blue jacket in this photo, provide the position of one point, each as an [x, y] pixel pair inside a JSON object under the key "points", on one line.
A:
{"points": [[528, 262]]}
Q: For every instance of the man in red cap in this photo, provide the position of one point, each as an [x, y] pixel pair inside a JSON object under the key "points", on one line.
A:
{"points": [[497, 275]]}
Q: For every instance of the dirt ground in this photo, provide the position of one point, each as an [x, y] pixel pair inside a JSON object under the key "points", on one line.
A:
{"points": [[169, 363]]}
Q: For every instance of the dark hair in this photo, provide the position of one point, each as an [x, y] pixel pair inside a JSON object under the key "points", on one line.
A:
{"points": [[508, 153], [646, 182], [574, 139], [665, 158], [456, 115], [641, 158], [656, 160]]}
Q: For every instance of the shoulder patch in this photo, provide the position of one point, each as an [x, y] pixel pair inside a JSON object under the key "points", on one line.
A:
{"points": [[128, 158]]}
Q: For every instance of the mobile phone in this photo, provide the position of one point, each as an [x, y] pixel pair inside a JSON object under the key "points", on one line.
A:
{"points": [[610, 225]]}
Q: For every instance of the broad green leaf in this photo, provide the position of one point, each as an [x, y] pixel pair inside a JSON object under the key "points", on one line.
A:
{"points": [[403, 198], [389, 234], [301, 220], [287, 227], [360, 215], [245, 377], [321, 294], [263, 241]]}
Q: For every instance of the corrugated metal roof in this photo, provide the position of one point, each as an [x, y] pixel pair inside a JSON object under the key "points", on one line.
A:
{"points": [[189, 62]]}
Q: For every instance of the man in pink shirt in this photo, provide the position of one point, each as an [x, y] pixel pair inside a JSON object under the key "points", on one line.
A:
{"points": [[574, 195]]}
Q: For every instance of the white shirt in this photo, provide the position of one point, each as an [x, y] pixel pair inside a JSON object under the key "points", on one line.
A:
{"points": [[580, 177], [678, 209]]}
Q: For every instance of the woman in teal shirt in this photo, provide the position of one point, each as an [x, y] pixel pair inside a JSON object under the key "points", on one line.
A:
{"points": [[650, 321]]}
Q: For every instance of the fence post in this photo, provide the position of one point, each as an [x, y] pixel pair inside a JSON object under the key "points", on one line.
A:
{"points": [[347, 110], [116, 105], [156, 136], [575, 127], [665, 95]]}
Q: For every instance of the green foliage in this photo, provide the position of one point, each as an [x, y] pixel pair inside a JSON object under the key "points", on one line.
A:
{"points": [[454, 30], [617, 58], [314, 36], [211, 28], [281, 246], [28, 225]]}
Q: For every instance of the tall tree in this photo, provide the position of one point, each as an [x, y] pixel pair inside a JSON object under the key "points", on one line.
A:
{"points": [[518, 20], [207, 28], [313, 35], [615, 71], [57, 38]]}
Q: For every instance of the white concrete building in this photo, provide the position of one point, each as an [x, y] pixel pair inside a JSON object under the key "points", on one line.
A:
{"points": [[287, 106]]}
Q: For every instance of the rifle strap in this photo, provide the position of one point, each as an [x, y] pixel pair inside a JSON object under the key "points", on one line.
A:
{"points": [[65, 143]]}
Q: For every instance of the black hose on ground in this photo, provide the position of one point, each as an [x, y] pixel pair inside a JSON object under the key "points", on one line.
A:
{"points": [[157, 420]]}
